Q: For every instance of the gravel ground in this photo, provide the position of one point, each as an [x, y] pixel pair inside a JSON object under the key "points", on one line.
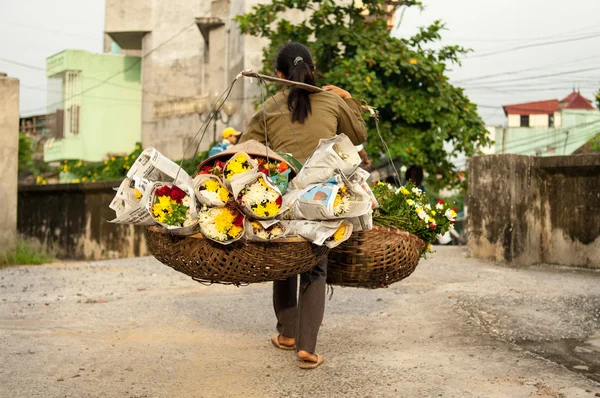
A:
{"points": [[457, 327]]}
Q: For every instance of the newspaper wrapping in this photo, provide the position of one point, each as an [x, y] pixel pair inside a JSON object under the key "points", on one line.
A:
{"points": [[320, 232], [152, 166], [362, 223], [244, 181], [359, 181], [316, 202], [190, 225], [204, 196], [333, 156], [129, 209], [258, 230]]}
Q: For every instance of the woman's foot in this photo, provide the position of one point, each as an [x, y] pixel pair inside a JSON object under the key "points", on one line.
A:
{"points": [[282, 342], [309, 360]]}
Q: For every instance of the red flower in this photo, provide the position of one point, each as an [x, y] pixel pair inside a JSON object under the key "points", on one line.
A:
{"points": [[264, 170], [454, 208], [177, 194], [453, 222], [279, 201], [165, 190], [220, 164], [440, 201], [432, 226], [206, 170], [239, 221]]}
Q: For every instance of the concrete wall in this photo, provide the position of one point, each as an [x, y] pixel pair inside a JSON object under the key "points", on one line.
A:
{"points": [[74, 217], [110, 113], [528, 210], [9, 150]]}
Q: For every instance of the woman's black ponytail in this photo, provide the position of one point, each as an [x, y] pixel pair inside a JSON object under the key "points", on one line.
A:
{"points": [[296, 64]]}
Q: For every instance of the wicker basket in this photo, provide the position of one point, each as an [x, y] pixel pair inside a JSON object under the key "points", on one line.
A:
{"points": [[374, 259], [239, 263]]}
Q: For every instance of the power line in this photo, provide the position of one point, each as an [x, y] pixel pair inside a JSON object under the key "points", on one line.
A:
{"points": [[526, 38], [513, 72], [563, 73], [49, 30], [524, 46]]}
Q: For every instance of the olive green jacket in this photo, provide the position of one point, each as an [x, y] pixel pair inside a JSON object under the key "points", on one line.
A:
{"points": [[330, 115]]}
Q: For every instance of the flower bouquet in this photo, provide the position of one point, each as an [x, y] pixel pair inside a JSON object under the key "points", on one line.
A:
{"points": [[264, 230], [221, 224], [173, 208], [210, 191], [408, 208], [240, 163], [328, 233], [258, 196], [330, 200], [278, 172], [216, 168]]}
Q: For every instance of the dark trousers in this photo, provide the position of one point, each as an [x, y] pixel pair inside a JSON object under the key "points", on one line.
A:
{"points": [[300, 315]]}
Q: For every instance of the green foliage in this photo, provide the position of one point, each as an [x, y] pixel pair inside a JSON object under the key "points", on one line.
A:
{"points": [[409, 209], [114, 167], [405, 79], [25, 153], [28, 252], [595, 144], [598, 99]]}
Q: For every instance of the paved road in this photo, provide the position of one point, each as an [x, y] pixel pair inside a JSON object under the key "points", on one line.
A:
{"points": [[456, 328]]}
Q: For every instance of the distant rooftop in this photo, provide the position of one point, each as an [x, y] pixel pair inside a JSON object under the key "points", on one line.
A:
{"points": [[573, 101]]}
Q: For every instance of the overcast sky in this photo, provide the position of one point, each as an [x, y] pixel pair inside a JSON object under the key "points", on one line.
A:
{"points": [[31, 30]]}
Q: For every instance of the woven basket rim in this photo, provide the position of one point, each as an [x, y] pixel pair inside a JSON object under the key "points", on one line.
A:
{"points": [[290, 239]]}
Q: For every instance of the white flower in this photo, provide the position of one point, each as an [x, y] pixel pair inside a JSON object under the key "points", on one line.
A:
{"points": [[422, 215], [186, 201], [342, 207], [450, 215], [263, 234], [439, 206], [417, 191], [188, 222], [428, 206], [211, 197]]}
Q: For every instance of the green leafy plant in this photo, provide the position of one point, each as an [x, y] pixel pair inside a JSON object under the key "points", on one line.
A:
{"points": [[405, 79], [25, 153], [408, 208], [28, 252], [115, 167]]}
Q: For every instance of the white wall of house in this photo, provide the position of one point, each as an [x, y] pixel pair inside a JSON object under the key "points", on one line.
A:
{"points": [[558, 119], [514, 120], [538, 120]]}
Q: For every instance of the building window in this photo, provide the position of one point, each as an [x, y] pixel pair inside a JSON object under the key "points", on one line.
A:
{"points": [[524, 120], [550, 120]]}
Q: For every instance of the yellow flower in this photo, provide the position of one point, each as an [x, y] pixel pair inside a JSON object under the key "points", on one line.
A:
{"points": [[419, 209], [339, 234], [106, 169], [106, 162], [83, 179], [404, 191], [93, 180], [138, 147], [380, 183], [234, 231], [44, 182], [431, 219], [223, 194], [211, 185], [413, 61], [38, 179], [79, 164], [428, 247], [112, 158], [65, 167], [126, 157], [95, 174], [256, 225], [433, 213], [343, 188], [240, 157], [272, 208], [157, 209], [224, 220], [138, 194], [368, 79], [337, 200], [76, 181], [164, 202], [410, 202]]}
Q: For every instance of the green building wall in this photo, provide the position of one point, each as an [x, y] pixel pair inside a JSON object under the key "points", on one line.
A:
{"points": [[578, 127], [110, 105]]}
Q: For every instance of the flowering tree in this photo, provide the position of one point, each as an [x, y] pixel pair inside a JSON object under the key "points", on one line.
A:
{"points": [[405, 79]]}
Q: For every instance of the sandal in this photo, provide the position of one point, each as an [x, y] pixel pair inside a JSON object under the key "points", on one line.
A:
{"points": [[309, 364], [276, 343]]}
